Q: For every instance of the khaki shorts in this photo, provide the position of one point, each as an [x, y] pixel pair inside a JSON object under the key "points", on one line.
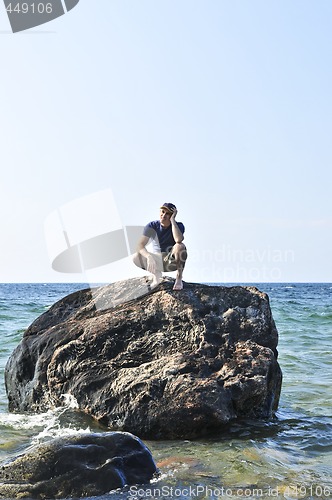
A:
{"points": [[165, 261]]}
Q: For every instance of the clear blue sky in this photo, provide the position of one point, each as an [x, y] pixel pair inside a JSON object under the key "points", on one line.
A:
{"points": [[221, 107]]}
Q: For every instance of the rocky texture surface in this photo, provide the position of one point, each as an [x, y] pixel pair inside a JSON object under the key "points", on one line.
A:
{"points": [[160, 364], [78, 466]]}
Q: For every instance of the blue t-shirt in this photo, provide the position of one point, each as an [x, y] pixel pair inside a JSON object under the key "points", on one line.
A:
{"points": [[162, 237]]}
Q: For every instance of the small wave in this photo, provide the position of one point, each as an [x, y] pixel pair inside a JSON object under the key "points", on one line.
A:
{"points": [[312, 434], [56, 431], [41, 427], [324, 316], [19, 421]]}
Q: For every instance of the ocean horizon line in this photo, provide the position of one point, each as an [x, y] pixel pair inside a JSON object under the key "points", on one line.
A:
{"points": [[101, 283]]}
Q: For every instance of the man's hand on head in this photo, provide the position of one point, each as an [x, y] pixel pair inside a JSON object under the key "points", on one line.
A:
{"points": [[174, 215]]}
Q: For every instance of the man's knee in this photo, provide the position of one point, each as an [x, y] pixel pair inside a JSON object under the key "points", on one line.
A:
{"points": [[180, 252]]}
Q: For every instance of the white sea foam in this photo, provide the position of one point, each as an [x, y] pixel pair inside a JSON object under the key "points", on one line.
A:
{"points": [[43, 426], [21, 421], [56, 431], [50, 418], [70, 401]]}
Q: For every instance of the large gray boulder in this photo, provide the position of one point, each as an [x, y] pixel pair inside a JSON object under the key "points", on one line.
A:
{"points": [[78, 466], [161, 364]]}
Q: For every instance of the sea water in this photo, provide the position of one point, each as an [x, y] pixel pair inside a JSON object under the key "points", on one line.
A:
{"points": [[288, 457]]}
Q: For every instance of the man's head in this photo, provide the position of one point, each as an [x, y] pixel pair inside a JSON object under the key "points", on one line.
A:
{"points": [[166, 212], [169, 207]]}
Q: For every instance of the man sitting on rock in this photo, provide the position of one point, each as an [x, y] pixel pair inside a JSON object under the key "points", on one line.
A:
{"points": [[169, 253]]}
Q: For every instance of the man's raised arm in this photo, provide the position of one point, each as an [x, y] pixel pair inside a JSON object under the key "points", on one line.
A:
{"points": [[177, 234]]}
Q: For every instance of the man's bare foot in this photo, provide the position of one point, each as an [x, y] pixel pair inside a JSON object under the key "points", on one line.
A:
{"points": [[178, 285], [156, 279]]}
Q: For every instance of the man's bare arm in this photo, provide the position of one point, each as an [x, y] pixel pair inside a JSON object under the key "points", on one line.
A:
{"points": [[143, 241], [177, 234], [151, 263]]}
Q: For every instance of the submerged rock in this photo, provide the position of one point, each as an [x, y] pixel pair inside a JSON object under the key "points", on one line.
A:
{"points": [[78, 466], [161, 364]]}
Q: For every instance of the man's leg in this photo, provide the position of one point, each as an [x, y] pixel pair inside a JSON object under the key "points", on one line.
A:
{"points": [[141, 262], [179, 253]]}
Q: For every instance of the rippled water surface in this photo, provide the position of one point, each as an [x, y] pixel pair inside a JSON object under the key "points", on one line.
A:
{"points": [[289, 457]]}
